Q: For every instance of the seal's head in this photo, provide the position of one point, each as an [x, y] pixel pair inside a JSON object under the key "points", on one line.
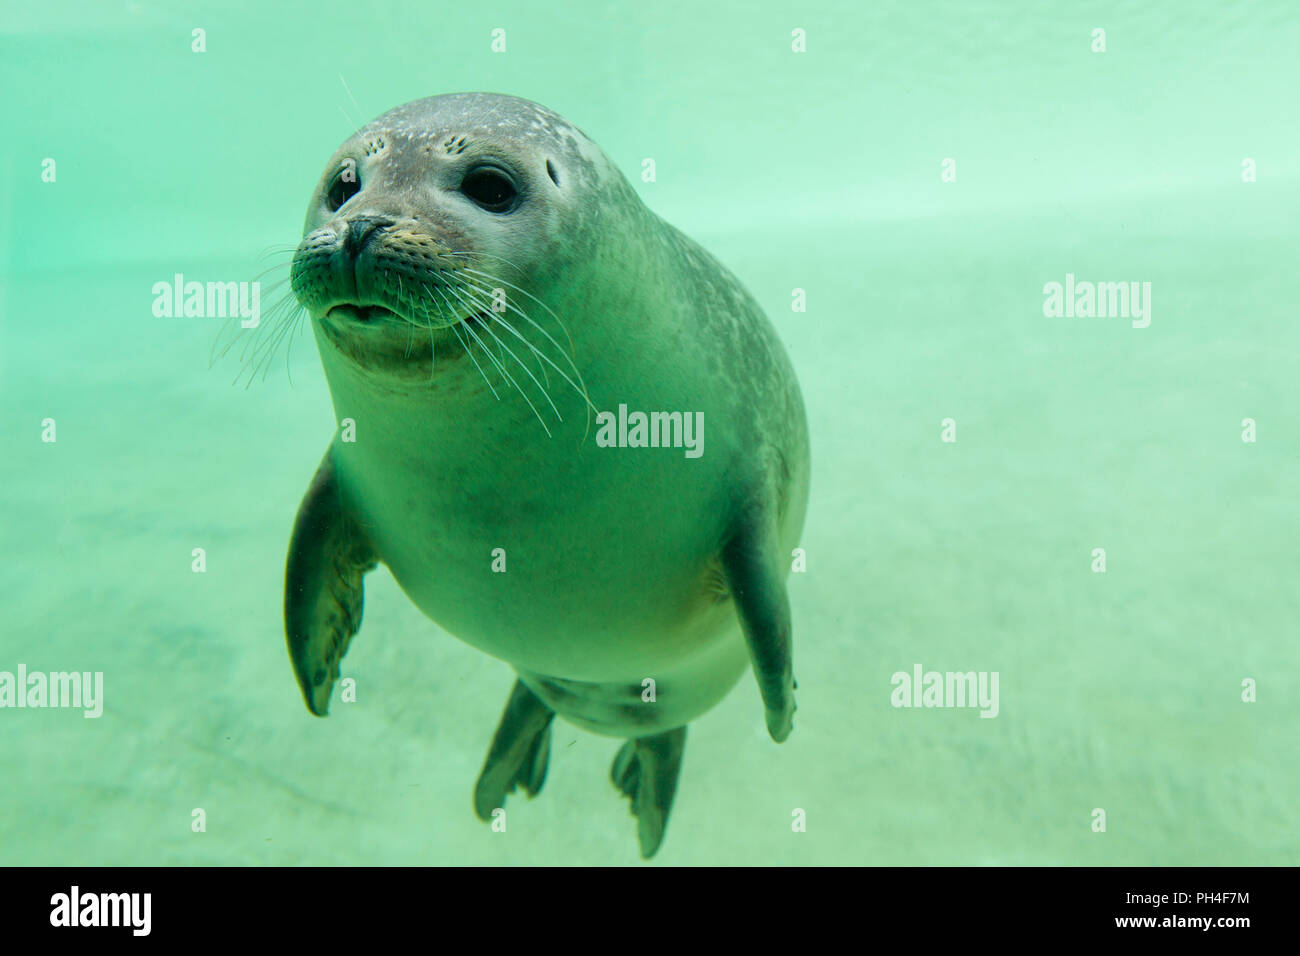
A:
{"points": [[436, 221]]}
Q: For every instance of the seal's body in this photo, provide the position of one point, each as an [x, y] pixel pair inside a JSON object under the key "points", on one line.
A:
{"points": [[482, 283]]}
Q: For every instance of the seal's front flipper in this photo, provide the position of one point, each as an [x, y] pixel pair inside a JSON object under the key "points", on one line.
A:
{"points": [[519, 753], [328, 555], [646, 769], [752, 568]]}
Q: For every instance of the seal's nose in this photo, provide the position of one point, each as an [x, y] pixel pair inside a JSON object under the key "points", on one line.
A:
{"points": [[360, 231]]}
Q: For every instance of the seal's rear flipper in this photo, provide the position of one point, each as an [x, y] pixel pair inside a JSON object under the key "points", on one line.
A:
{"points": [[328, 555], [646, 769], [520, 752], [751, 565]]}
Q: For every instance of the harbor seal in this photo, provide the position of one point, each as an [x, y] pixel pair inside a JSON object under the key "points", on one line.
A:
{"points": [[485, 289]]}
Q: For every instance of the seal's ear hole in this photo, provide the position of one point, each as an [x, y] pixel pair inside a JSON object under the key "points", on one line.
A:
{"points": [[550, 171]]}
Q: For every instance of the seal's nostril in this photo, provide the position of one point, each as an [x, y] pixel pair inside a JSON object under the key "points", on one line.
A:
{"points": [[360, 231]]}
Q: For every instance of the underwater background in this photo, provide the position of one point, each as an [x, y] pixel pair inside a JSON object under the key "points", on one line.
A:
{"points": [[921, 171]]}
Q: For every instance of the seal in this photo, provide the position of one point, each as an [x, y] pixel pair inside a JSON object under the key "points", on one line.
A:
{"points": [[485, 289]]}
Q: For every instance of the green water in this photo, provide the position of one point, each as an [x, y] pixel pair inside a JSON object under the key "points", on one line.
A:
{"points": [[822, 171]]}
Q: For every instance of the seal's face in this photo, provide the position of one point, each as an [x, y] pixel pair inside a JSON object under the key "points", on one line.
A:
{"points": [[434, 223]]}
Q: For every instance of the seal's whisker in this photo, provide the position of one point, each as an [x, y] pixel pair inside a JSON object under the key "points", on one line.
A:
{"points": [[283, 329], [277, 286], [466, 324], [466, 347], [475, 361], [487, 294], [433, 354], [481, 295], [476, 298], [580, 389], [401, 295], [354, 103], [486, 255], [410, 339], [295, 325], [233, 331], [351, 122], [279, 249], [509, 378], [259, 339], [275, 268], [527, 371], [501, 366], [590, 407], [230, 333], [581, 392], [491, 278], [537, 354], [261, 343], [527, 318]]}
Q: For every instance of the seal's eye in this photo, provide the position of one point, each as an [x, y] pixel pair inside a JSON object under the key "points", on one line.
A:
{"points": [[344, 187], [490, 188]]}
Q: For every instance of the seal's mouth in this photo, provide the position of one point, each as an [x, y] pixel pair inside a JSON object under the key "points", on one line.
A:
{"points": [[378, 337], [353, 315], [363, 314]]}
